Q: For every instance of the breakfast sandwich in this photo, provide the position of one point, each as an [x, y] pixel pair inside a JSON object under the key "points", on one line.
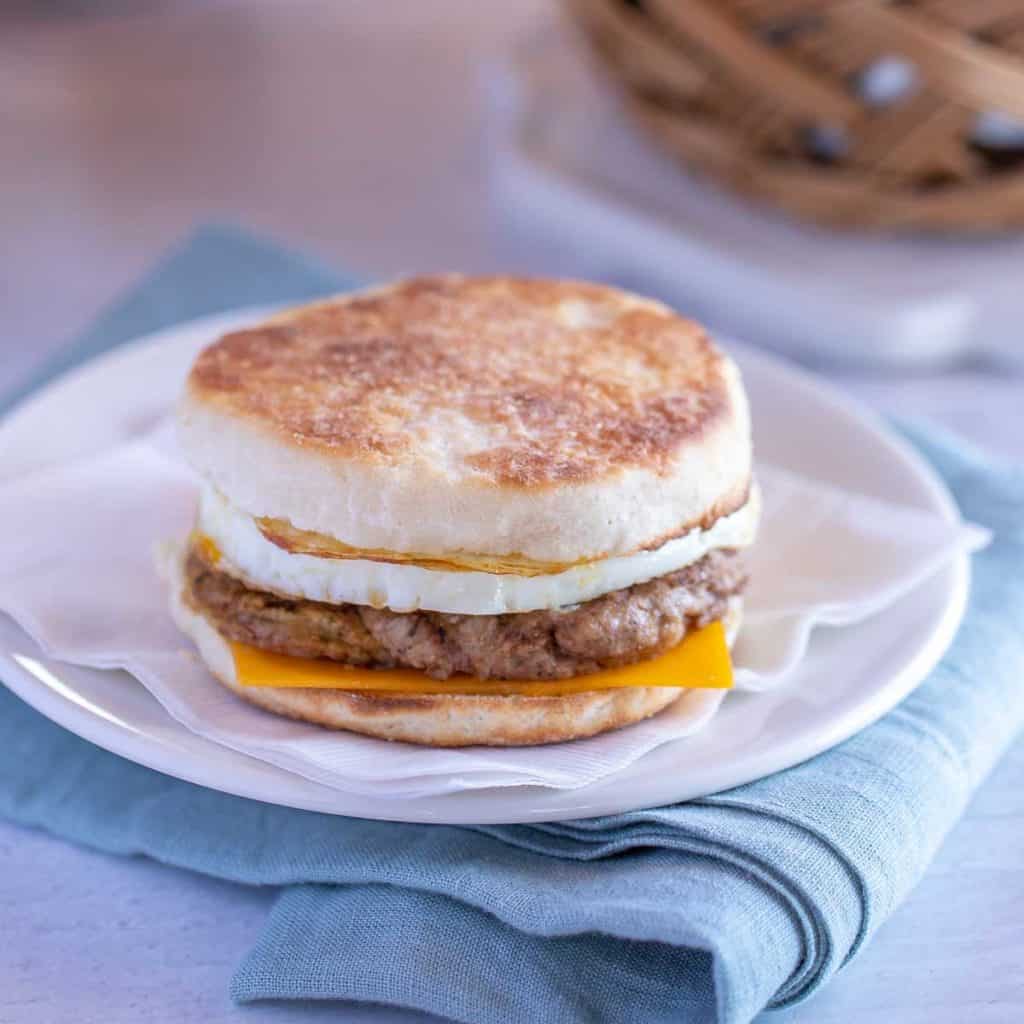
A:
{"points": [[467, 510]]}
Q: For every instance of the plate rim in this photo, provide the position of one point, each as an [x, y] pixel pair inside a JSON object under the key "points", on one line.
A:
{"points": [[119, 737]]}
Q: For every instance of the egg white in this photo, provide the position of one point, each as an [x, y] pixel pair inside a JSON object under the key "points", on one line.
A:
{"points": [[247, 554]]}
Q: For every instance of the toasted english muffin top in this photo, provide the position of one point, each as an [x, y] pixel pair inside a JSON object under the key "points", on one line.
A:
{"points": [[520, 383], [491, 415]]}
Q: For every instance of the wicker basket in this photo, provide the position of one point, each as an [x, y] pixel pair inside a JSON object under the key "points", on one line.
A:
{"points": [[872, 113]]}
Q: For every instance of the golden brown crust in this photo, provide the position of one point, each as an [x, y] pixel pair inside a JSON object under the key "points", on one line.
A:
{"points": [[438, 720], [534, 383]]}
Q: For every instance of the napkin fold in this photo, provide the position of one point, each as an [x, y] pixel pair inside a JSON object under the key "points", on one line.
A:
{"points": [[706, 911]]}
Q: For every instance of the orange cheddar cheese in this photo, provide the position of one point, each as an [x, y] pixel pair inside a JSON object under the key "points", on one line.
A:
{"points": [[207, 548]]}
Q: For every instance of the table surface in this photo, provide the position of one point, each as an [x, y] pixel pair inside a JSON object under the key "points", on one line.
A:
{"points": [[356, 131]]}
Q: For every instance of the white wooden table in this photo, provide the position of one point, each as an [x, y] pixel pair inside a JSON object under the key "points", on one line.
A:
{"points": [[352, 129]]}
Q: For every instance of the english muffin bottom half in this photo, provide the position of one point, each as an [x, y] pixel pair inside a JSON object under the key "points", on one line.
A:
{"points": [[467, 510]]}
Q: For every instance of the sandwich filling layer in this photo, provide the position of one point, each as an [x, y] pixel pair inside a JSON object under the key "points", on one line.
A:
{"points": [[622, 627]]}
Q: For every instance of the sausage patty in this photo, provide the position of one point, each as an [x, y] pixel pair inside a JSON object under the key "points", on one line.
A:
{"points": [[619, 628]]}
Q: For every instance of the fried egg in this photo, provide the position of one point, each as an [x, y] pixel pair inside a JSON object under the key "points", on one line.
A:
{"points": [[243, 550]]}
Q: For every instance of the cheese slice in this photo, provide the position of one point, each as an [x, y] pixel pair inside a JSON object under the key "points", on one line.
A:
{"points": [[207, 547], [701, 661]]}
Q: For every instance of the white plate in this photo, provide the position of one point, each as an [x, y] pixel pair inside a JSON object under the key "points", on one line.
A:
{"points": [[850, 677]]}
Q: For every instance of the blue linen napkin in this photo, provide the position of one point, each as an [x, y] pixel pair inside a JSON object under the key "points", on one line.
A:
{"points": [[705, 911]]}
